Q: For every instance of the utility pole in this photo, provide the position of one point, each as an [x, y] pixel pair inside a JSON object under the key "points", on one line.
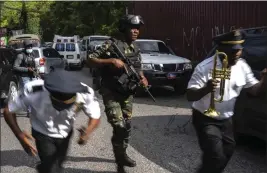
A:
{"points": [[126, 10]]}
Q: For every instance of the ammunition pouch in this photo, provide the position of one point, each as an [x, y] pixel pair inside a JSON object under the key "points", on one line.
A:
{"points": [[127, 84], [123, 84]]}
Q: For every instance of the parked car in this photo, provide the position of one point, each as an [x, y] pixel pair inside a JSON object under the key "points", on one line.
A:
{"points": [[46, 57], [92, 42], [72, 50], [89, 42], [16, 42], [8, 80], [250, 112], [162, 67]]}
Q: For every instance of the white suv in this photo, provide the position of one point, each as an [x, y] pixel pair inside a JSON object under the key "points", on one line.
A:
{"points": [[46, 57]]}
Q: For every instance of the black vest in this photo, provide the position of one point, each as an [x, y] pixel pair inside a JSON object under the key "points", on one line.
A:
{"points": [[110, 74], [28, 61], [110, 71]]}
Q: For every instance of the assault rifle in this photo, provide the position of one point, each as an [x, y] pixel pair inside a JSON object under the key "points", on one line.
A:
{"points": [[130, 71], [36, 73]]}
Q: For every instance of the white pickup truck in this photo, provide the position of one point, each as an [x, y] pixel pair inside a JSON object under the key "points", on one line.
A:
{"points": [[162, 67]]}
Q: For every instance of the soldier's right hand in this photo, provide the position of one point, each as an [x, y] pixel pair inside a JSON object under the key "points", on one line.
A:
{"points": [[212, 85], [117, 63], [24, 139], [30, 69]]}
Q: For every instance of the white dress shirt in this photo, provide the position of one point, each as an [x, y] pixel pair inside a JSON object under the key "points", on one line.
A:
{"points": [[45, 118], [241, 77]]}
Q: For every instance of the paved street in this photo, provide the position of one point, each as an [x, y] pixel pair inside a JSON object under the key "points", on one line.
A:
{"points": [[159, 144]]}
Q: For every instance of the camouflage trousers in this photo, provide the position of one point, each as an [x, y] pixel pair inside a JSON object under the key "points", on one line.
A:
{"points": [[118, 110]]}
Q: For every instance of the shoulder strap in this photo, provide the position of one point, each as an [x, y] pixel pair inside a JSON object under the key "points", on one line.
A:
{"points": [[136, 48], [119, 44], [23, 62]]}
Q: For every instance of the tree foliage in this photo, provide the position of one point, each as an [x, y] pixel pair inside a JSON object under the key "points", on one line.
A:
{"points": [[47, 18]]}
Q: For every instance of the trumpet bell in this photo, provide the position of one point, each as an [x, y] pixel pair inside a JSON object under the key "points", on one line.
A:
{"points": [[211, 113]]}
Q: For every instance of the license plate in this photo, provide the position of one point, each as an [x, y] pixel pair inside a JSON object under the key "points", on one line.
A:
{"points": [[171, 75], [70, 56]]}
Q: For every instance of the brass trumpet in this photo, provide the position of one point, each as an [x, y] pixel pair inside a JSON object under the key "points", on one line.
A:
{"points": [[222, 74]]}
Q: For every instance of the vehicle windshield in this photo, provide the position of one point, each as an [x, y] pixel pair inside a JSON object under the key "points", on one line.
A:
{"points": [[97, 42], [18, 44], [98, 39], [153, 46]]}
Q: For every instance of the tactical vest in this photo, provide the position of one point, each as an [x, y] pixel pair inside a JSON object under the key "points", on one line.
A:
{"points": [[110, 74], [133, 57], [28, 61]]}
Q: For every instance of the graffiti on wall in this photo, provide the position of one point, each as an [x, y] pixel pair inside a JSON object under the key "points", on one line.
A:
{"points": [[197, 41]]}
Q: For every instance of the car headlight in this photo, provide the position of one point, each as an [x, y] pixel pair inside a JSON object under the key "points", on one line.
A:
{"points": [[187, 66], [147, 67]]}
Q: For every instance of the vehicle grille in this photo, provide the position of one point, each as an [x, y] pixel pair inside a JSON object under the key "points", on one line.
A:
{"points": [[168, 67]]}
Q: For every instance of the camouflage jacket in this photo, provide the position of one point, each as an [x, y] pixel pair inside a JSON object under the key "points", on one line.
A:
{"points": [[106, 51]]}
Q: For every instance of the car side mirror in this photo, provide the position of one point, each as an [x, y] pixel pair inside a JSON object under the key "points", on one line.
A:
{"points": [[61, 56]]}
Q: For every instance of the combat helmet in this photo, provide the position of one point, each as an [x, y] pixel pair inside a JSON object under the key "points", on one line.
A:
{"points": [[130, 20]]}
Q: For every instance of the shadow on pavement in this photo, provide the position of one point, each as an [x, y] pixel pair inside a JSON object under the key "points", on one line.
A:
{"points": [[17, 158], [165, 96], [73, 170], [89, 159], [162, 140]]}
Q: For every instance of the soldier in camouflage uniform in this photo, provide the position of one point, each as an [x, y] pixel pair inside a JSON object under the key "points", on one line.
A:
{"points": [[118, 104]]}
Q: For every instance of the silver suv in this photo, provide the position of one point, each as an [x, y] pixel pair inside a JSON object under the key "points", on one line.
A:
{"points": [[162, 67], [46, 57]]}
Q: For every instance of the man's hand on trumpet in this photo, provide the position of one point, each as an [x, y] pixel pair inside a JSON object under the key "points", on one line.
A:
{"points": [[212, 85]]}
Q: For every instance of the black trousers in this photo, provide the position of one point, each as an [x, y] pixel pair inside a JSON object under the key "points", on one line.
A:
{"points": [[52, 152], [216, 140]]}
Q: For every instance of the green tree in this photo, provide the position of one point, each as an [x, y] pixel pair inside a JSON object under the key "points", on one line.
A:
{"points": [[82, 18], [47, 18], [24, 15]]}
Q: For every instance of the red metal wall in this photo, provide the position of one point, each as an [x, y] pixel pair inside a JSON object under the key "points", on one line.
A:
{"points": [[191, 25]]}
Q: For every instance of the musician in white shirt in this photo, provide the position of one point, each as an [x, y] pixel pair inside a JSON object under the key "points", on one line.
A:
{"points": [[53, 111], [215, 134]]}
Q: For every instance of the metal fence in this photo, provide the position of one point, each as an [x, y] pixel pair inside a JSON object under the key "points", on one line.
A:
{"points": [[191, 25]]}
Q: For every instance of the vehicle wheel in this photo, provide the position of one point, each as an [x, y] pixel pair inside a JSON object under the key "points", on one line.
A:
{"points": [[81, 66], [67, 67], [179, 89], [13, 91]]}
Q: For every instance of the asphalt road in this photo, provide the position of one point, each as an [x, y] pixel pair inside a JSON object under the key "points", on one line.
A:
{"points": [[159, 143]]}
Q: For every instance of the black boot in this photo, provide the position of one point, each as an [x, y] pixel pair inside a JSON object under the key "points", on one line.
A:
{"points": [[120, 169], [127, 161], [122, 159]]}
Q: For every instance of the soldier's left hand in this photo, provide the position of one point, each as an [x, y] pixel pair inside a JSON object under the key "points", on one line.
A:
{"points": [[144, 81]]}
